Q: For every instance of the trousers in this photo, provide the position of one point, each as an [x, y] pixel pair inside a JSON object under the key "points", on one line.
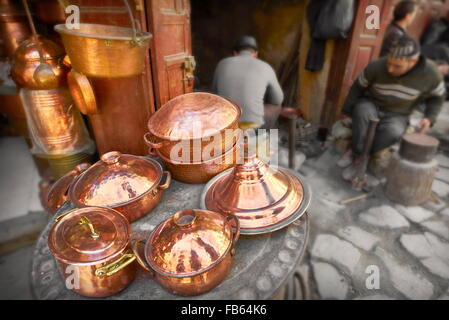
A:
{"points": [[390, 128]]}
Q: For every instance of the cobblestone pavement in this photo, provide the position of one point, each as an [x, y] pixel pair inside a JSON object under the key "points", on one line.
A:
{"points": [[373, 248]]}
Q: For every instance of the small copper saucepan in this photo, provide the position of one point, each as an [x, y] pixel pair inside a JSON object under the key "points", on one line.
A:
{"points": [[92, 250], [129, 184], [191, 252]]}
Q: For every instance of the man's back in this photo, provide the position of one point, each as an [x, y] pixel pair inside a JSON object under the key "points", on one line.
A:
{"points": [[247, 80]]}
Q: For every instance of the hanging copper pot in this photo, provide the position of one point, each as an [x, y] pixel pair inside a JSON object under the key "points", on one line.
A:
{"points": [[191, 252], [196, 122], [264, 199], [92, 250], [129, 184]]}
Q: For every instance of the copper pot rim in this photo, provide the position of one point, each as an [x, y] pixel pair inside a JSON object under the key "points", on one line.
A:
{"points": [[218, 131], [61, 28], [56, 254], [237, 146], [300, 211], [187, 274], [80, 204]]}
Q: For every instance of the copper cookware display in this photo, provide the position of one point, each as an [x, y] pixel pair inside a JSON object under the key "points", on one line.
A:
{"points": [[263, 198], [191, 252], [193, 121], [92, 249], [129, 184]]}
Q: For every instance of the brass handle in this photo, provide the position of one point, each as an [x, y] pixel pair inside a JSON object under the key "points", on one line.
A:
{"points": [[236, 232], [115, 266], [94, 234], [62, 215], [167, 181]]}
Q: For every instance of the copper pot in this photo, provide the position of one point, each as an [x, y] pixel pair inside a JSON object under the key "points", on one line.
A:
{"points": [[197, 122], [191, 252], [50, 11], [129, 184], [37, 64], [92, 250], [203, 171]]}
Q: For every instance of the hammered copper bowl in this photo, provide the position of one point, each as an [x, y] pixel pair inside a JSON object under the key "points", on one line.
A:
{"points": [[198, 121], [129, 184], [92, 250], [191, 252], [203, 171]]}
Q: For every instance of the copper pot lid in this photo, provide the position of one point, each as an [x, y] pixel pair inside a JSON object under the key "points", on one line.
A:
{"points": [[190, 242], [89, 235], [192, 116], [117, 179], [263, 199], [58, 192]]}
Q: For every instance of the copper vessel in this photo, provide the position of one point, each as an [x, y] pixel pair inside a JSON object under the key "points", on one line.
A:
{"points": [[196, 121], [92, 249], [13, 25], [203, 171], [37, 64], [129, 184], [191, 252], [55, 125], [104, 51], [263, 198], [58, 192]]}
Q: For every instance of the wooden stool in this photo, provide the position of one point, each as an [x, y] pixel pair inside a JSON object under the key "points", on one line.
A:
{"points": [[412, 169]]}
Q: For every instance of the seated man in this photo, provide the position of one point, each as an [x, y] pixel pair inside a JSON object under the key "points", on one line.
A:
{"points": [[248, 81], [389, 88]]}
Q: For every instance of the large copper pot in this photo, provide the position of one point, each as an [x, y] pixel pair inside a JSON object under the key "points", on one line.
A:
{"points": [[191, 252], [105, 51], [196, 122], [92, 249], [203, 171], [38, 64], [129, 184]]}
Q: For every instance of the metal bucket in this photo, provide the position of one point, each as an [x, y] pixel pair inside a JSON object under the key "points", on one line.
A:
{"points": [[105, 51]]}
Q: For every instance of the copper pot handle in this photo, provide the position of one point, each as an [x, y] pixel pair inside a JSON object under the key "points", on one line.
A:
{"points": [[82, 93], [167, 181], [116, 266], [236, 232], [148, 137], [135, 242]]}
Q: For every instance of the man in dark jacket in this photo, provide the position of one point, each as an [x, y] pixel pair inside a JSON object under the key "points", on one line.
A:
{"points": [[403, 15], [389, 89]]}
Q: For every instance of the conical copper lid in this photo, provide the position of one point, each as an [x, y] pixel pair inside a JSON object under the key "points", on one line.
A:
{"points": [[191, 242], [116, 179], [263, 198], [89, 235]]}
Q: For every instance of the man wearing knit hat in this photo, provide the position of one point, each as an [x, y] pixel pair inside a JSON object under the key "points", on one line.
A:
{"points": [[389, 89]]}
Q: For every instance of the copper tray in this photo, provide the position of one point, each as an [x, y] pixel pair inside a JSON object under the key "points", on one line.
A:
{"points": [[305, 202]]}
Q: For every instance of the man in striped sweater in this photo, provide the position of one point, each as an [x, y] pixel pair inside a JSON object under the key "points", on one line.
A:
{"points": [[389, 89]]}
